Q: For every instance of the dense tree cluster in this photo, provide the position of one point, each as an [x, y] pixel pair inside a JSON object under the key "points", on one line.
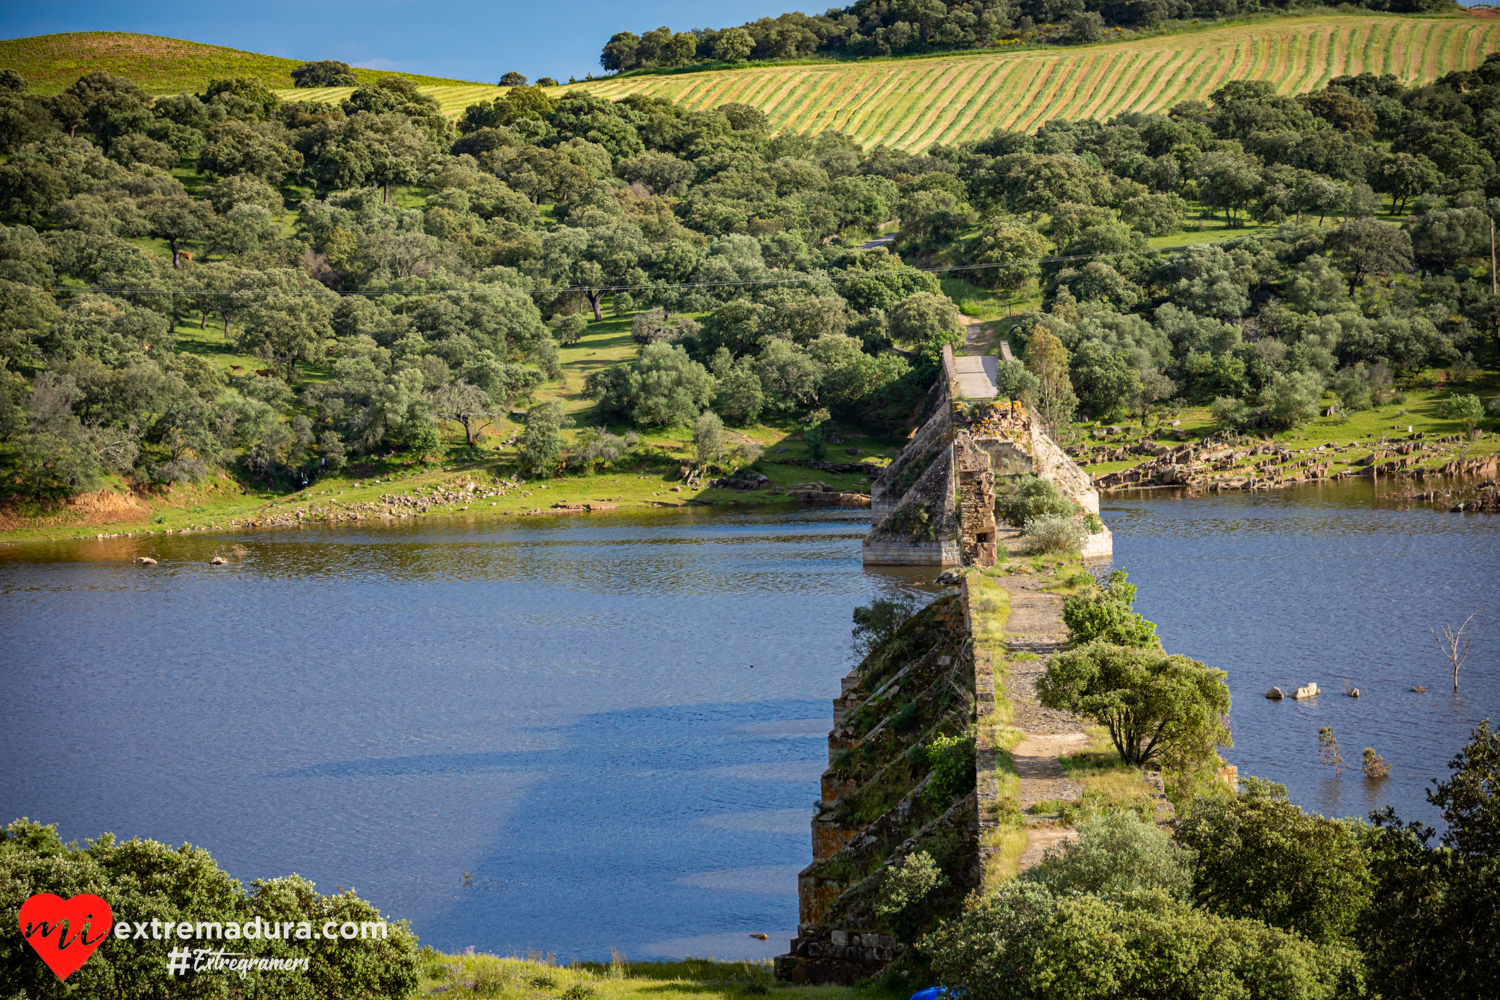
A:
{"points": [[907, 27], [1256, 897], [532, 213], [1264, 324], [537, 211]]}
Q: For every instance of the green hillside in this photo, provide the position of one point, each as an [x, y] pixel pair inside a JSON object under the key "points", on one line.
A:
{"points": [[50, 63], [910, 103]]}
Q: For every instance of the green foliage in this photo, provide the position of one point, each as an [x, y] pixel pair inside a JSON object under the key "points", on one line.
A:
{"points": [[662, 387], [904, 886], [923, 318], [1438, 907], [1023, 943], [951, 759], [1155, 706], [1052, 533], [1292, 398], [1030, 497], [1470, 799], [1229, 413], [1115, 854], [541, 441], [1466, 409], [1260, 857], [708, 437], [1103, 613], [144, 880], [816, 442]]}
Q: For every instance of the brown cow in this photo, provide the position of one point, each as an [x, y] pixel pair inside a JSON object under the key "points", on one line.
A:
{"points": [[235, 368], [264, 372]]}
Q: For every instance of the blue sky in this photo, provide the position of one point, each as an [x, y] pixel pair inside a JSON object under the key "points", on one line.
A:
{"points": [[464, 39]]}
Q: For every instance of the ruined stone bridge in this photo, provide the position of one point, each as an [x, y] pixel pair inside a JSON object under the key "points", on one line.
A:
{"points": [[933, 506]]}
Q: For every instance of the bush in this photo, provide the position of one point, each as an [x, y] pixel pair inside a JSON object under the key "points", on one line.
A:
{"points": [[1260, 856], [1466, 409], [816, 442], [1155, 706], [1229, 413], [144, 880], [661, 387], [1052, 533], [1103, 613], [541, 442], [1116, 854], [1292, 398], [570, 328], [1023, 943], [708, 437], [1029, 498], [1438, 908], [597, 446], [903, 888], [952, 761]]}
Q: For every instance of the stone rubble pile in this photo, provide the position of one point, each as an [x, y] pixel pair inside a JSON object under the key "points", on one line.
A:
{"points": [[1217, 466]]}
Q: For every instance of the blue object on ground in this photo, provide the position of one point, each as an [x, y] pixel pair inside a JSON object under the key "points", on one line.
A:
{"points": [[936, 993]]}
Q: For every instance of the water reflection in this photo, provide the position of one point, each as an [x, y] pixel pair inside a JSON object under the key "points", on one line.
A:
{"points": [[595, 718]]}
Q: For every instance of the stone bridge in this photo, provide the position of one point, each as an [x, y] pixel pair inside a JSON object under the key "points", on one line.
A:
{"points": [[935, 504]]}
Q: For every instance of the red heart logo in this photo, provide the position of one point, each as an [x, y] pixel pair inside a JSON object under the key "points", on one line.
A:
{"points": [[63, 930]]}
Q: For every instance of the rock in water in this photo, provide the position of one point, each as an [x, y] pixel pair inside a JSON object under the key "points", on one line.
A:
{"points": [[1308, 691], [1275, 694], [144, 561]]}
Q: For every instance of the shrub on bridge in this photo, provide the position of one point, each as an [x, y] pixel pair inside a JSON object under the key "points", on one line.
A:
{"points": [[1052, 533], [1029, 498], [1167, 710], [1116, 854], [1103, 614]]}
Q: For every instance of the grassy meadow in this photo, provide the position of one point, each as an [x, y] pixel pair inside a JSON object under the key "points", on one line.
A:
{"points": [[51, 63]]}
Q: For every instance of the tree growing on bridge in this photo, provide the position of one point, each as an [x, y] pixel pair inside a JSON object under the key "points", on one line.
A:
{"points": [[1157, 708]]}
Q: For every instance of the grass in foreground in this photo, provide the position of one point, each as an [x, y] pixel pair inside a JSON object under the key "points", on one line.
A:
{"points": [[541, 979]]}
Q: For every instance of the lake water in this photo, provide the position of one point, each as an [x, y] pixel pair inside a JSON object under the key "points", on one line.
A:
{"points": [[566, 733], [574, 734], [1326, 584]]}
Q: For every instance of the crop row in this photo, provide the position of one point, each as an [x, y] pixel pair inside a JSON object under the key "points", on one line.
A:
{"points": [[910, 104]]}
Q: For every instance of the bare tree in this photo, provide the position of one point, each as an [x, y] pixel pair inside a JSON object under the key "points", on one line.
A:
{"points": [[1454, 646]]}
